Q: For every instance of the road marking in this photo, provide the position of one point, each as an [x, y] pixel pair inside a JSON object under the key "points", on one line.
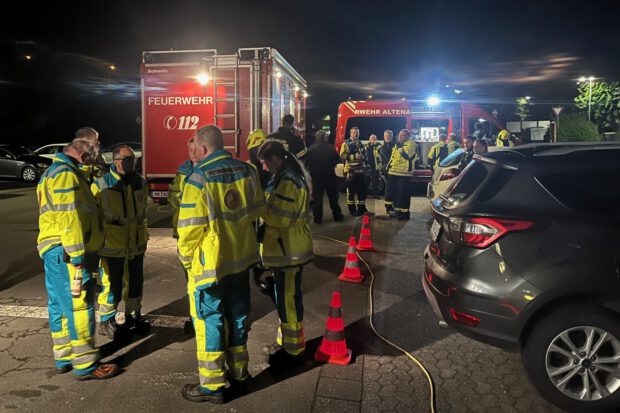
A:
{"points": [[27, 311]]}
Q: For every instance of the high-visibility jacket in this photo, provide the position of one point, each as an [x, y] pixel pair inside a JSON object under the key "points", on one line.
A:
{"points": [[291, 142], [374, 155], [176, 190], [123, 201], [402, 162], [68, 211], [438, 153], [288, 239], [348, 151], [503, 139], [219, 206]]}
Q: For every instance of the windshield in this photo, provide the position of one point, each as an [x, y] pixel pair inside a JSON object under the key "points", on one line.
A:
{"points": [[453, 159], [19, 150]]}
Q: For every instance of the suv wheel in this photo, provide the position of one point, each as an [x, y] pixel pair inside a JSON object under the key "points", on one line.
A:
{"points": [[572, 357], [29, 174]]}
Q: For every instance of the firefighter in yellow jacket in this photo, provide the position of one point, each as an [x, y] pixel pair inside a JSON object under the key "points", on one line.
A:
{"points": [[504, 139], [400, 170], [286, 247], [122, 195], [217, 244], [69, 228], [174, 200]]}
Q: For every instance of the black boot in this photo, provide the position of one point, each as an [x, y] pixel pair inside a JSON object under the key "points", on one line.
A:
{"points": [[353, 210], [361, 210], [338, 217], [137, 324]]}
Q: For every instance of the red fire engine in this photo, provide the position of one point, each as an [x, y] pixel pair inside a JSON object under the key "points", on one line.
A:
{"points": [[185, 89], [427, 122]]}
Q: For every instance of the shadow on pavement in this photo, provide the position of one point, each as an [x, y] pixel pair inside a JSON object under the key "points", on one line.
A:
{"points": [[21, 270]]}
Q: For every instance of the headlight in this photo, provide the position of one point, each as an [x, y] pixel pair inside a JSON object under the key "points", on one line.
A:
{"points": [[42, 165]]}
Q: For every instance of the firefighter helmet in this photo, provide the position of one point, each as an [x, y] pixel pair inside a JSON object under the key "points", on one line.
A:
{"points": [[503, 134], [256, 138]]}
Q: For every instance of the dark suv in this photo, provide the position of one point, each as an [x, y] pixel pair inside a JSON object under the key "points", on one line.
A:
{"points": [[525, 253]]}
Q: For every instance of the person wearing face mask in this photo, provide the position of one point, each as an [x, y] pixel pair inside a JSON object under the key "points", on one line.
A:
{"points": [[69, 228], [122, 195]]}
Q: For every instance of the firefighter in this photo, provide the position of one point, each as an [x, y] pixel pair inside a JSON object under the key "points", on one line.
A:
{"points": [[438, 152], [352, 153], [254, 141], [401, 165], [373, 159], [69, 228], [122, 195], [286, 248], [321, 161], [217, 245], [174, 199], [504, 139], [287, 137], [453, 143], [386, 153]]}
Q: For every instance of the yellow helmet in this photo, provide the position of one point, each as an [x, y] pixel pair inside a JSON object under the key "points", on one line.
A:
{"points": [[256, 138], [503, 134]]}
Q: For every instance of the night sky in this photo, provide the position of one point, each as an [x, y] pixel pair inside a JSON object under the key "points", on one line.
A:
{"points": [[492, 50]]}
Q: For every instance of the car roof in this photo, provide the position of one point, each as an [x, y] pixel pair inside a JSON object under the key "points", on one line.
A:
{"points": [[122, 143], [537, 150]]}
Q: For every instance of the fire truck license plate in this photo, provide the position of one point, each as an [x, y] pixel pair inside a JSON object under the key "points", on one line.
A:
{"points": [[159, 194], [435, 229]]}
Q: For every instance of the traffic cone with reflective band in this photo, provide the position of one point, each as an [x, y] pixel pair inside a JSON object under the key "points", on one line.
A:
{"points": [[334, 349], [365, 240], [351, 272]]}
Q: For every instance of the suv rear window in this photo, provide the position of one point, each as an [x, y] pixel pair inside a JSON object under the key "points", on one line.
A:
{"points": [[468, 181]]}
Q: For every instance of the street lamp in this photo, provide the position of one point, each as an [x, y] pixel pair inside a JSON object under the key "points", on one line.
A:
{"points": [[590, 80]]}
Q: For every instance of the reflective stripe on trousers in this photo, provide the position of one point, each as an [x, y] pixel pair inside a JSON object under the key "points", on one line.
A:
{"points": [[289, 303], [72, 320], [122, 278], [211, 317]]}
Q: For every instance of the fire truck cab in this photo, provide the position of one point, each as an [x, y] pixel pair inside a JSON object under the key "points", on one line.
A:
{"points": [[185, 89], [426, 123]]}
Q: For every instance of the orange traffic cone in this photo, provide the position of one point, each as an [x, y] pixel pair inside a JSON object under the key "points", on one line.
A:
{"points": [[365, 240], [351, 272], [334, 349]]}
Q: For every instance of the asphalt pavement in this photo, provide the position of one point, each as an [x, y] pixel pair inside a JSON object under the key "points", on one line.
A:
{"points": [[468, 376]]}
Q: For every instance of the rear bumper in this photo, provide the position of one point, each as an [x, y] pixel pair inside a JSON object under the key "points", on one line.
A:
{"points": [[422, 176], [444, 294]]}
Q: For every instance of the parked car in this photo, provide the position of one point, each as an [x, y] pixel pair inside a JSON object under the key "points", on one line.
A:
{"points": [[445, 174], [49, 151], [19, 162], [524, 253], [107, 152]]}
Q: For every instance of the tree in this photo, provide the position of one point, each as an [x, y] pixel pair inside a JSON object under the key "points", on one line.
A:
{"points": [[523, 108], [605, 103], [574, 127]]}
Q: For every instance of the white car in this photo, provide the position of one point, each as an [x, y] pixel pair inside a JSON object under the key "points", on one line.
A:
{"points": [[443, 176], [49, 151], [107, 153]]}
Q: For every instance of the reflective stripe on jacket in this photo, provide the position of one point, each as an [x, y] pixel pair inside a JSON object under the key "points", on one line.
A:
{"points": [[348, 150], [403, 159], [288, 239], [68, 211], [176, 190], [438, 153], [123, 202], [219, 206]]}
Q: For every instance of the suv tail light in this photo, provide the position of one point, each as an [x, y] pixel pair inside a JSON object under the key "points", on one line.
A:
{"points": [[449, 174], [482, 232]]}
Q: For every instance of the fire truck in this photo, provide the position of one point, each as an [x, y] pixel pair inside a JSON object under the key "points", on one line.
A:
{"points": [[426, 121], [183, 90]]}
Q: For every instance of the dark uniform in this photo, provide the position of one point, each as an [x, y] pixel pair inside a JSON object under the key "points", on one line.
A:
{"points": [[355, 173], [321, 160]]}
